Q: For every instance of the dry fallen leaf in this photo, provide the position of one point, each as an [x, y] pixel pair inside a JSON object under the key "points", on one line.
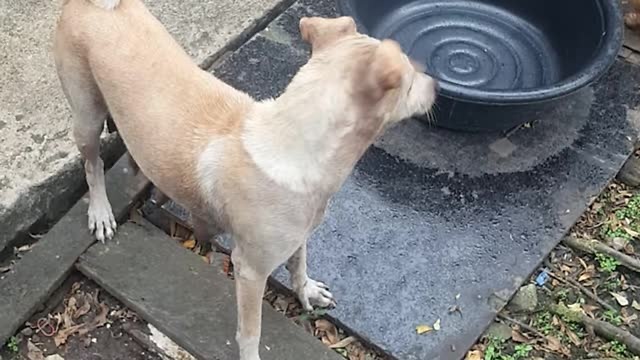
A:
{"points": [[590, 309], [474, 355], [423, 329], [75, 287], [583, 263], [83, 329], [576, 307], [189, 244], [518, 337], [343, 343], [66, 318], [330, 332], [621, 299], [585, 276], [624, 285], [84, 309], [554, 345], [33, 352], [635, 305], [573, 337]]}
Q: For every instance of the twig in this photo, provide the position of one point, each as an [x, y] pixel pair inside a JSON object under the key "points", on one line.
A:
{"points": [[521, 325], [602, 328], [595, 246], [583, 289]]}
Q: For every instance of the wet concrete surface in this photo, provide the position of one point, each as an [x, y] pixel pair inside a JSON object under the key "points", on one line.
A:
{"points": [[429, 214]]}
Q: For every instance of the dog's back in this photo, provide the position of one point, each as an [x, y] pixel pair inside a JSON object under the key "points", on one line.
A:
{"points": [[156, 94]]}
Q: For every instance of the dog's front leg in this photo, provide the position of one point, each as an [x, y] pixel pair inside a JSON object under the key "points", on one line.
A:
{"points": [[250, 287], [310, 292]]}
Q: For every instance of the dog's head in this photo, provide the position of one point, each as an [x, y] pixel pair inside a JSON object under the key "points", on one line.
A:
{"points": [[380, 81]]}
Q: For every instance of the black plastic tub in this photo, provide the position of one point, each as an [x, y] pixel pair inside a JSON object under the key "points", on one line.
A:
{"points": [[500, 63]]}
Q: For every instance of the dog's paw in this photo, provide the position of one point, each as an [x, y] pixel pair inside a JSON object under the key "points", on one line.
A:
{"points": [[315, 293], [102, 223]]}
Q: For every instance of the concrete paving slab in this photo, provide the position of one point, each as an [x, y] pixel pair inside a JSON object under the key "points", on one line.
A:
{"points": [[39, 272], [190, 301], [36, 149], [429, 214]]}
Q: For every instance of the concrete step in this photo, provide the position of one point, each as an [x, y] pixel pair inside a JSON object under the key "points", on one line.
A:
{"points": [[190, 301]]}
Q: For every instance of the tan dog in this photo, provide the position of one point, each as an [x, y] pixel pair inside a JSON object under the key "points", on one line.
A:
{"points": [[263, 171]]}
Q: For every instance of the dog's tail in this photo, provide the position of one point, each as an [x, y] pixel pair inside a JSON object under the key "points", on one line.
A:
{"points": [[106, 4]]}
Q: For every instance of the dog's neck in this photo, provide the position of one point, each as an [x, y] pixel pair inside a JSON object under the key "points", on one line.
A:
{"points": [[303, 140]]}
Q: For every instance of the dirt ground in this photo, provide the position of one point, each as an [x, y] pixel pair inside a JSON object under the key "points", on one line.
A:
{"points": [[545, 320], [80, 322]]}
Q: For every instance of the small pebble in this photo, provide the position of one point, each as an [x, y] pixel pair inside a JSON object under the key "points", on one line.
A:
{"points": [[27, 331], [35, 338]]}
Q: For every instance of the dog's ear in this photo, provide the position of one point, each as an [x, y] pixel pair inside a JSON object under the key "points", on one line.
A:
{"points": [[386, 69], [320, 32]]}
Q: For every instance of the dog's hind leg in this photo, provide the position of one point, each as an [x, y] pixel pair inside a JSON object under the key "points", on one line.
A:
{"points": [[159, 198], [89, 115]]}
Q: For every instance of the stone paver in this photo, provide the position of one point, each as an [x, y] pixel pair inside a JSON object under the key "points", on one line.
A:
{"points": [[36, 149], [190, 301]]}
